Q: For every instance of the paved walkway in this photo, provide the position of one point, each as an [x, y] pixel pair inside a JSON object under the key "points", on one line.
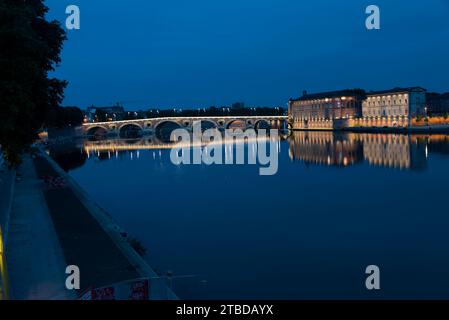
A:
{"points": [[35, 262]]}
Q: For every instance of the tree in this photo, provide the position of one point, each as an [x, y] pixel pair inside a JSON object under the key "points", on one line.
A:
{"points": [[30, 49], [64, 117]]}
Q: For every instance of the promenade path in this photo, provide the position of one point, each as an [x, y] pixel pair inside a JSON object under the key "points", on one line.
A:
{"points": [[35, 262]]}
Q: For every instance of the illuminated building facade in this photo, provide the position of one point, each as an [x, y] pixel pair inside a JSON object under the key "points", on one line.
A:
{"points": [[393, 108], [328, 110]]}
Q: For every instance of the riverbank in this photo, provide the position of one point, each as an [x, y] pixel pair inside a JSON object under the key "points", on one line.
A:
{"points": [[411, 130], [107, 254], [420, 129], [54, 225]]}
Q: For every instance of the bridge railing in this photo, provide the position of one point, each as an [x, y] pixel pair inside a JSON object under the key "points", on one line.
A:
{"points": [[188, 118]]}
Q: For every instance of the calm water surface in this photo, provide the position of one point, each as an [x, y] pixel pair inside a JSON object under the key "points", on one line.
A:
{"points": [[339, 203]]}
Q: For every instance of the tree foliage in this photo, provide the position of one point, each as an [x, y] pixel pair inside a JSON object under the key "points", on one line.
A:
{"points": [[30, 48], [64, 117]]}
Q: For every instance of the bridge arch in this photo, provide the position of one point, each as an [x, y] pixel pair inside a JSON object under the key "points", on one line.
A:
{"points": [[262, 124], [209, 124], [97, 131], [130, 130], [164, 129], [236, 124]]}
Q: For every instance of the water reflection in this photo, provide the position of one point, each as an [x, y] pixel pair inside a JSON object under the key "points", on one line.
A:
{"points": [[342, 149], [383, 150], [328, 148]]}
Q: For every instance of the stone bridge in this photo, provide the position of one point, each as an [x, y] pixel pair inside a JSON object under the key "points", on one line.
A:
{"points": [[152, 126]]}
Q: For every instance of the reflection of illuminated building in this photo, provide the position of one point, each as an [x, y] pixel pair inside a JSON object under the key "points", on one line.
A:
{"points": [[328, 148], [387, 150], [344, 149], [394, 151]]}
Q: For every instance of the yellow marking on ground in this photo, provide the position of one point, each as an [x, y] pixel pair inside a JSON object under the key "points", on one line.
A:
{"points": [[3, 271]]}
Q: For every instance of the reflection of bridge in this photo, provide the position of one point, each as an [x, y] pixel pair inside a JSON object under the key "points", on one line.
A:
{"points": [[153, 143], [152, 125]]}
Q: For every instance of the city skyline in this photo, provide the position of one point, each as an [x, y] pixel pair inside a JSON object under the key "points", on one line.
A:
{"points": [[203, 54]]}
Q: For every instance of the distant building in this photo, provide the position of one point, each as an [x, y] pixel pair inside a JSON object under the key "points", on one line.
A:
{"points": [[327, 110], [238, 105], [437, 104], [113, 109], [113, 112], [395, 107]]}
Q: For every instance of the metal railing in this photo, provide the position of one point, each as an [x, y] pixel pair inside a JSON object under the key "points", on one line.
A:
{"points": [[186, 118]]}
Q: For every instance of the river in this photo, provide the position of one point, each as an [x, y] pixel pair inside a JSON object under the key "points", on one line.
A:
{"points": [[338, 203]]}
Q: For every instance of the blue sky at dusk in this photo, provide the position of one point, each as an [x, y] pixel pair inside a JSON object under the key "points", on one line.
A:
{"points": [[200, 53]]}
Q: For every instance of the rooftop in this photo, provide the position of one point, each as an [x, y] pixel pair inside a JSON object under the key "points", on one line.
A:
{"points": [[397, 90], [331, 94]]}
